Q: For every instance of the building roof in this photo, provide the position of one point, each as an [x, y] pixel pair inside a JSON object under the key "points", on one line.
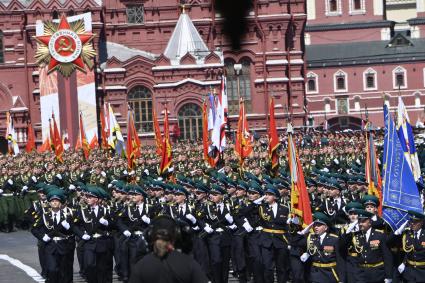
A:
{"points": [[365, 53], [185, 39], [121, 52], [416, 21]]}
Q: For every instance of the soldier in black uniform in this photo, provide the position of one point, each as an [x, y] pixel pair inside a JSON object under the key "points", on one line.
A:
{"points": [[93, 225], [274, 236], [412, 268], [53, 227], [132, 223], [323, 253], [371, 204], [375, 262]]}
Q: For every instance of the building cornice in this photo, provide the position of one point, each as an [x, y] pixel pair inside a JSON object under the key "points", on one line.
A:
{"points": [[346, 26], [416, 21]]}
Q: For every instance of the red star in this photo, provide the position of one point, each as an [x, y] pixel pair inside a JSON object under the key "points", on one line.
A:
{"points": [[64, 25]]}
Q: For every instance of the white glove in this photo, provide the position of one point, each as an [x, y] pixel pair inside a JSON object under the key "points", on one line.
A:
{"points": [[229, 218], [259, 200], [103, 174], [336, 161], [131, 173], [127, 233], [191, 218], [233, 227], [306, 229], [387, 280], [125, 172], [10, 182], [59, 176], [289, 221], [65, 224], [109, 186], [46, 238], [358, 162], [196, 228], [24, 188], [146, 219], [146, 172], [1, 191], [313, 162], [304, 257], [295, 220], [400, 230], [103, 221], [247, 227], [401, 268], [71, 187], [85, 237], [325, 170], [351, 227], [208, 229], [34, 179]]}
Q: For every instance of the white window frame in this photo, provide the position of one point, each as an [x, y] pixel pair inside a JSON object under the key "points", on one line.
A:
{"points": [[362, 9], [327, 102], [332, 13], [311, 75], [396, 71], [338, 74], [370, 71]]}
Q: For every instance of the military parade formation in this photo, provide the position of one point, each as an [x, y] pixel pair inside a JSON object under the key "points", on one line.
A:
{"points": [[234, 220]]}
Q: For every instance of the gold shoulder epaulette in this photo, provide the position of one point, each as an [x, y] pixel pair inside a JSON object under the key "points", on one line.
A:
{"points": [[379, 230], [333, 235]]}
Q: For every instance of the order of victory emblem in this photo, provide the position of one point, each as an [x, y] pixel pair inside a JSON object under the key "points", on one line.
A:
{"points": [[65, 47]]}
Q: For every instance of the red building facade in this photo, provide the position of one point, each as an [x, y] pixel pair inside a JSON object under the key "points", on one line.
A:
{"points": [[154, 53], [357, 60]]}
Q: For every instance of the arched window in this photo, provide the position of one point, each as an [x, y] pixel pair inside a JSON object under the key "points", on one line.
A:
{"points": [[399, 78], [55, 15], [312, 84], [369, 79], [333, 6], [190, 121], [140, 100], [340, 81], [244, 77]]}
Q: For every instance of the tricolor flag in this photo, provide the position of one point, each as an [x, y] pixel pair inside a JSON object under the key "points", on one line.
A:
{"points": [[115, 138], [300, 201], [11, 137], [407, 140], [218, 136]]}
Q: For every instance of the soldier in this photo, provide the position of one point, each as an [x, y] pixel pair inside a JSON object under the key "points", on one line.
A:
{"points": [[132, 223], [93, 225], [371, 204], [323, 252], [274, 236], [375, 262], [412, 268], [53, 227], [217, 217]]}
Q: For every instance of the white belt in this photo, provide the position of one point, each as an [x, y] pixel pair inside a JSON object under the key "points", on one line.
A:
{"points": [[7, 195], [138, 233], [219, 230], [259, 228], [97, 235]]}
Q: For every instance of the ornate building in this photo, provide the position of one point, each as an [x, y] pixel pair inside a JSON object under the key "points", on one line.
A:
{"points": [[154, 53], [358, 57]]}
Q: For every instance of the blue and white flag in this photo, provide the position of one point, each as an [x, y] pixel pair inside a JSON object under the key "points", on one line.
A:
{"points": [[400, 192], [407, 140]]}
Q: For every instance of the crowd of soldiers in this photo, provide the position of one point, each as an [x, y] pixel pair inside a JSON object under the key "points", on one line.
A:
{"points": [[230, 219]]}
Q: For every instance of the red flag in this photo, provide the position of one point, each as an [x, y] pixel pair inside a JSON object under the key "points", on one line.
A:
{"points": [[57, 141], [373, 175], [104, 125], [94, 143], [30, 138], [166, 159], [243, 146], [300, 201], [133, 142], [83, 138], [273, 138], [46, 146], [205, 135], [51, 135], [158, 138]]}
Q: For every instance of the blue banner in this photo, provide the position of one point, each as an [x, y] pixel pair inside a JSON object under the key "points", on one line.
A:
{"points": [[400, 192]]}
